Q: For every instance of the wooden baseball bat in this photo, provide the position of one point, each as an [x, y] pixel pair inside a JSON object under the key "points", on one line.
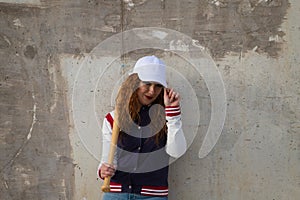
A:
{"points": [[113, 144]]}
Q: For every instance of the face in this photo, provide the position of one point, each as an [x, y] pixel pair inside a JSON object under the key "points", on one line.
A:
{"points": [[148, 92]]}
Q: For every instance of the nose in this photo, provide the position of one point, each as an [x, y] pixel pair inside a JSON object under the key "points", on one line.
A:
{"points": [[152, 89]]}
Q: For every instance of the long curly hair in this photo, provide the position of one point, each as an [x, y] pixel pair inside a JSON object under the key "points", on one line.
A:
{"points": [[127, 108]]}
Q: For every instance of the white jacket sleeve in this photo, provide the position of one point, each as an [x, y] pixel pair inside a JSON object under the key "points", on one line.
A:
{"points": [[106, 140], [176, 143]]}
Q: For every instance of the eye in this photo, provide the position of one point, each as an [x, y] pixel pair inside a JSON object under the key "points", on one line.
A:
{"points": [[159, 86], [147, 83]]}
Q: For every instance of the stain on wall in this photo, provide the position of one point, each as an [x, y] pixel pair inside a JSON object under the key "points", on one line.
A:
{"points": [[222, 26]]}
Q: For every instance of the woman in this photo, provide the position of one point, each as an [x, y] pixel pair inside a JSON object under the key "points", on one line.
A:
{"points": [[149, 118]]}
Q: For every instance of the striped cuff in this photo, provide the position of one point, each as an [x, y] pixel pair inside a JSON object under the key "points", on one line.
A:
{"points": [[172, 111], [99, 174]]}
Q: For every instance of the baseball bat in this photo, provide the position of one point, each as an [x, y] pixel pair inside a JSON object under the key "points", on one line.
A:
{"points": [[114, 138]]}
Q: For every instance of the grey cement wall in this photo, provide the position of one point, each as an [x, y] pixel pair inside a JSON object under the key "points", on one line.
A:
{"points": [[253, 43]]}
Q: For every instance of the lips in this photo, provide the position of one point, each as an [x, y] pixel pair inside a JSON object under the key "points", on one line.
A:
{"points": [[148, 97]]}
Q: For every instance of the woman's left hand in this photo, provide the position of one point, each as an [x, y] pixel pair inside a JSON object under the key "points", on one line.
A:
{"points": [[171, 98]]}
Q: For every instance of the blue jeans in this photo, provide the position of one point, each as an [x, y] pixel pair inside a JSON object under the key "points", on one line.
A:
{"points": [[129, 196]]}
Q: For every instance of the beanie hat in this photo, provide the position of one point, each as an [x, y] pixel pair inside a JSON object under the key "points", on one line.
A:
{"points": [[150, 68]]}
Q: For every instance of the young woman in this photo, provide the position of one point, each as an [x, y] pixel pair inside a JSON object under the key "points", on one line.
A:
{"points": [[149, 118]]}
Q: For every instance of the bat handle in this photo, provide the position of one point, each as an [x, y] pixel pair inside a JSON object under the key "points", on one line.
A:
{"points": [[106, 185]]}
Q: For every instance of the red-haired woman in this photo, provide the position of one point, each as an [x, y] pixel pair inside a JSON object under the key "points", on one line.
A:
{"points": [[151, 134]]}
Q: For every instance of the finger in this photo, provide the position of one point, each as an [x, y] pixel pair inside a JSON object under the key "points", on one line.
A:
{"points": [[177, 96], [171, 92], [167, 95], [107, 169], [173, 97], [109, 165], [166, 92], [107, 174]]}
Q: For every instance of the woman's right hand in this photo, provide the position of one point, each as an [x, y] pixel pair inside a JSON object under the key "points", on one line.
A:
{"points": [[107, 170]]}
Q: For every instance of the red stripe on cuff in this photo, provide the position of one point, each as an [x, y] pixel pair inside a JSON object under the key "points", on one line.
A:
{"points": [[172, 111], [110, 119], [172, 107], [173, 114]]}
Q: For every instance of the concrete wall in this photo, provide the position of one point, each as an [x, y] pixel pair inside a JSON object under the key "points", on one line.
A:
{"points": [[254, 45]]}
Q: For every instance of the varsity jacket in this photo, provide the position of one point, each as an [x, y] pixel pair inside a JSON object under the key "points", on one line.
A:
{"points": [[142, 162]]}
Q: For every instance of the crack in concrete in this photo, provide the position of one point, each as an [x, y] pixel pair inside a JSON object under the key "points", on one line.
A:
{"points": [[34, 120], [53, 77], [6, 185]]}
